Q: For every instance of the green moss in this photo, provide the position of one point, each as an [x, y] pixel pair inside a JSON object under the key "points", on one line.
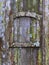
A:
{"points": [[39, 57]]}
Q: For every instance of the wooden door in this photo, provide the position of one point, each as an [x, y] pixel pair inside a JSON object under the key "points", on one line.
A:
{"points": [[23, 52]]}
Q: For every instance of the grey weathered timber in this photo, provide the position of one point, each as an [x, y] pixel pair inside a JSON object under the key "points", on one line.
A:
{"points": [[17, 45], [28, 14], [25, 56], [22, 52], [4, 56], [7, 37], [43, 27]]}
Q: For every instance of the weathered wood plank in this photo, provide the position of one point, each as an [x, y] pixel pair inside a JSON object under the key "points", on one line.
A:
{"points": [[25, 56], [19, 45], [28, 14], [34, 56]]}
